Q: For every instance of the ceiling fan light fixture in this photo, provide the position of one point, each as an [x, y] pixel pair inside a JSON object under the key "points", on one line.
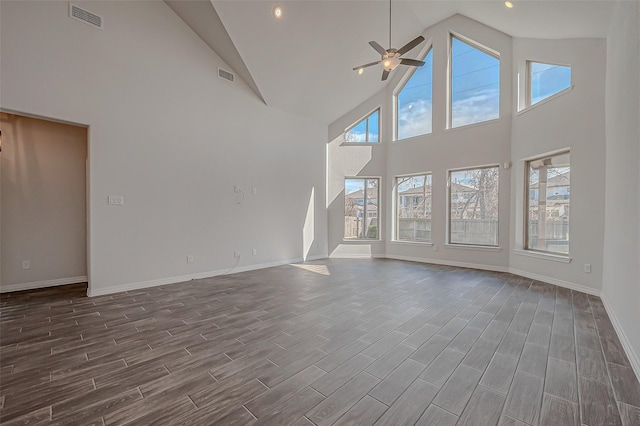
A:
{"points": [[277, 12], [360, 71], [389, 64], [508, 4]]}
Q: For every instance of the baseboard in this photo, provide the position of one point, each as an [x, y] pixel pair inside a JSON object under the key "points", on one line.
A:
{"points": [[182, 278], [43, 284], [634, 359], [449, 263], [357, 256], [555, 281]]}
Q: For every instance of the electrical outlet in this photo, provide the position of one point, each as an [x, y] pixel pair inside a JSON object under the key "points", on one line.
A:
{"points": [[587, 268], [236, 253], [190, 259], [254, 190], [435, 247], [254, 251], [26, 264], [115, 200]]}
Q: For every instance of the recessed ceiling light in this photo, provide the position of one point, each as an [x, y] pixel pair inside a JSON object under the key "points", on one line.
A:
{"points": [[509, 4], [360, 71], [277, 12]]}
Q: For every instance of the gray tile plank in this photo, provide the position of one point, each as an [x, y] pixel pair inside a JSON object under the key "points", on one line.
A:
{"points": [[365, 413], [524, 398], [629, 414], [499, 374], [292, 409], [597, 403], [625, 384], [410, 405], [442, 367], [328, 383], [484, 408], [561, 380], [455, 394], [397, 382], [339, 402], [533, 359], [558, 411], [436, 416], [261, 404]]}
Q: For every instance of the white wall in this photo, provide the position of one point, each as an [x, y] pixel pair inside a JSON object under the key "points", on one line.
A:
{"points": [[573, 120], [621, 278], [169, 136], [43, 203], [475, 145]]}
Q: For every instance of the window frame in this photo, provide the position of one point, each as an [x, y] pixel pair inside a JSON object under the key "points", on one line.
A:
{"points": [[449, 243], [366, 117], [449, 101], [365, 213], [397, 208], [400, 87], [525, 242], [529, 83]]}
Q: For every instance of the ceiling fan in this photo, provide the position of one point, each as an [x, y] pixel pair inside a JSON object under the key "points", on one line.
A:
{"points": [[391, 57]]}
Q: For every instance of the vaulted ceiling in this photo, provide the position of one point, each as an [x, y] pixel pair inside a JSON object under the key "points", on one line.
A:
{"points": [[302, 63]]}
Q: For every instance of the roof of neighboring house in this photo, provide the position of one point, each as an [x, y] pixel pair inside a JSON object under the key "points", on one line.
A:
{"points": [[371, 193], [562, 179]]}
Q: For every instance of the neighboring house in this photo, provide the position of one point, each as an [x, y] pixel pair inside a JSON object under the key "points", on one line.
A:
{"points": [[355, 203], [558, 195]]}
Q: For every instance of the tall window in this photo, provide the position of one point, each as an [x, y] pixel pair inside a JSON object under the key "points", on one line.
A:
{"points": [[475, 84], [473, 206], [413, 214], [546, 80], [414, 102], [549, 185], [361, 208], [366, 130]]}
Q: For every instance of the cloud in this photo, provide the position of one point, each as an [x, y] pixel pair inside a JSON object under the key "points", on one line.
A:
{"points": [[481, 105], [414, 119]]}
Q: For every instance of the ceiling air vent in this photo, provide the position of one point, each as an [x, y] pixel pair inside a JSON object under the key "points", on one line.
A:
{"points": [[84, 16], [226, 75]]}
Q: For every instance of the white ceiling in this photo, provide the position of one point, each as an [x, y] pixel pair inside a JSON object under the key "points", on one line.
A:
{"points": [[303, 62]]}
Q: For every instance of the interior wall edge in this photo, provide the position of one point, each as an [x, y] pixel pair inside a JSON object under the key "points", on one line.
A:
{"points": [[634, 358], [449, 263]]}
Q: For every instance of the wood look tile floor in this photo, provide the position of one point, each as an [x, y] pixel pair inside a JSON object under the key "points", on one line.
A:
{"points": [[330, 342]]}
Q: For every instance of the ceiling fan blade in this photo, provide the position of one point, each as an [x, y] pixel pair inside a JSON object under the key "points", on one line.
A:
{"points": [[381, 50], [413, 43], [411, 62], [366, 65], [385, 74]]}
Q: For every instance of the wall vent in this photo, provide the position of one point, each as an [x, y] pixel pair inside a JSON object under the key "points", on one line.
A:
{"points": [[227, 75], [85, 16]]}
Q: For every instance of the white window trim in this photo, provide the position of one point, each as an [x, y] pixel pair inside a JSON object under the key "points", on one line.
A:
{"points": [[449, 102], [525, 199], [472, 247], [528, 82], [448, 242], [394, 205], [360, 120], [543, 255], [364, 240], [400, 86], [545, 100]]}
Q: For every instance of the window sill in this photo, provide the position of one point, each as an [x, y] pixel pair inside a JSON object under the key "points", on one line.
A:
{"points": [[472, 247], [467, 126], [361, 240], [412, 243], [545, 100], [345, 143], [540, 255]]}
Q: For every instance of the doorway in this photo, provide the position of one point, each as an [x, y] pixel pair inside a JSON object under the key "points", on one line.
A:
{"points": [[43, 208]]}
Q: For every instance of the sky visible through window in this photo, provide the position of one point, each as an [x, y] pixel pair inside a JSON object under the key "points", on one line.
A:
{"points": [[366, 130], [415, 102], [547, 80], [475, 85]]}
